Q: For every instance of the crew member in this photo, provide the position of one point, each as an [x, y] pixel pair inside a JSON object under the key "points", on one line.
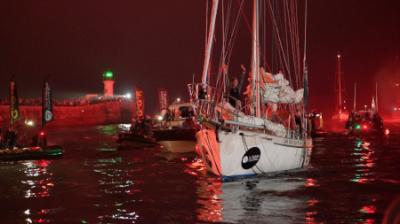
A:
{"points": [[234, 94], [147, 126]]}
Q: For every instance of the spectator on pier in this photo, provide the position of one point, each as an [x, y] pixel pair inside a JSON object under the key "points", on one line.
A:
{"points": [[10, 138]]}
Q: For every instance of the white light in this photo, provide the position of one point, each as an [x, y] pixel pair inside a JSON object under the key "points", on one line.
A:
{"points": [[29, 123], [178, 99], [160, 118], [128, 96]]}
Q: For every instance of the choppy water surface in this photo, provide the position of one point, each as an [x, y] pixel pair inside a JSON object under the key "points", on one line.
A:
{"points": [[351, 180]]}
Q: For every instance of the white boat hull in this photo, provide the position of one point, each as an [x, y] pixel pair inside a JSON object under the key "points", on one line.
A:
{"points": [[179, 146], [246, 153]]}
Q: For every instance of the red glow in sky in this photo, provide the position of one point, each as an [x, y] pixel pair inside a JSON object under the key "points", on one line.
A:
{"points": [[161, 44]]}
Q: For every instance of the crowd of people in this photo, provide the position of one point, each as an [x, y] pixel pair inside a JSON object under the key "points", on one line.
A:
{"points": [[66, 102], [142, 127], [8, 139]]}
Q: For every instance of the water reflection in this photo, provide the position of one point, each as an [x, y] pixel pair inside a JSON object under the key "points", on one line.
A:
{"points": [[38, 180], [309, 196], [38, 183], [348, 182], [208, 192], [256, 200], [118, 182], [109, 130], [364, 162]]}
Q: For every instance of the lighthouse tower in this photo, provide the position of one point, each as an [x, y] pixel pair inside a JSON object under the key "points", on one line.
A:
{"points": [[108, 81]]}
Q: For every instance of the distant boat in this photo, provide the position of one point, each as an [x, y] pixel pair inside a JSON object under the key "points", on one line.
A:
{"points": [[176, 129], [132, 140], [367, 121], [39, 149], [341, 113], [316, 125], [139, 135]]}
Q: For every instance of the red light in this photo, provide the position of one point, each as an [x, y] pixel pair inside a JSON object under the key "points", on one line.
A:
{"points": [[41, 133], [387, 131], [365, 127]]}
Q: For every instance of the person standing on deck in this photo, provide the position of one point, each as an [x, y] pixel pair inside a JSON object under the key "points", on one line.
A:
{"points": [[234, 94], [248, 95]]}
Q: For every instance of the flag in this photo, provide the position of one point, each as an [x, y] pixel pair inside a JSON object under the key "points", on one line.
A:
{"points": [[163, 99], [14, 105], [47, 105], [139, 104]]}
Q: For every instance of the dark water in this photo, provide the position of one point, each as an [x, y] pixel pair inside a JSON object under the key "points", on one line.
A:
{"points": [[350, 181]]}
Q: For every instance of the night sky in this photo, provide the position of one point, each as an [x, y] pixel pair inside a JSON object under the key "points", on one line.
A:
{"points": [[160, 44]]}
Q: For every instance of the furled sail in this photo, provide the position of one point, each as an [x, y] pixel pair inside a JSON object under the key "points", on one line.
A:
{"points": [[279, 91], [228, 112]]}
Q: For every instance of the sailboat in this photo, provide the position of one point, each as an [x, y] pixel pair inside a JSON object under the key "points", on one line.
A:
{"points": [[39, 148], [341, 114], [234, 142], [366, 121]]}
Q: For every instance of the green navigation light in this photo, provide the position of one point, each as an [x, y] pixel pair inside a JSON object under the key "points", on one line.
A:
{"points": [[357, 127], [108, 74]]}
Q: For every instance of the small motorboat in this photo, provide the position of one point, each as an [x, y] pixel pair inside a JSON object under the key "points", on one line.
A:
{"points": [[39, 148], [365, 123], [316, 127], [139, 135], [176, 130], [130, 139], [31, 153], [178, 140]]}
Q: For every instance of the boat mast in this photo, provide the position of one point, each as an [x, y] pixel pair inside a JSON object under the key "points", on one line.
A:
{"points": [[376, 96], [305, 72], [256, 60], [339, 80], [355, 97], [209, 42]]}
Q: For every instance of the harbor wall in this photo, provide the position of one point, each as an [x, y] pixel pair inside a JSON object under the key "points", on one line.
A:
{"points": [[112, 112]]}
